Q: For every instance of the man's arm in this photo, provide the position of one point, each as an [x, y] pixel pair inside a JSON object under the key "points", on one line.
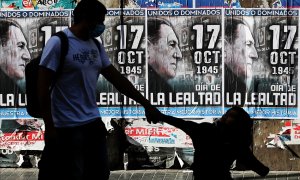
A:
{"points": [[45, 78], [188, 127], [123, 85]]}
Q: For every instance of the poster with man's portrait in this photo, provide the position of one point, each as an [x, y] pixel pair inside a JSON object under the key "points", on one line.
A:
{"points": [[26, 34], [181, 59], [262, 74], [124, 45]]}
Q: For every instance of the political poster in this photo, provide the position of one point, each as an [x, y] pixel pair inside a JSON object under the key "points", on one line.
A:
{"points": [[19, 138], [156, 145], [184, 62], [29, 31], [295, 132], [37, 4], [183, 76], [11, 4], [52, 4], [289, 134], [157, 135], [259, 3], [147, 145], [261, 61], [123, 40], [21, 134]]}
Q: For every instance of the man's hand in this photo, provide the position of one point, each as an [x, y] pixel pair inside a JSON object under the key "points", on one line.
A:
{"points": [[50, 134], [153, 115], [50, 131]]}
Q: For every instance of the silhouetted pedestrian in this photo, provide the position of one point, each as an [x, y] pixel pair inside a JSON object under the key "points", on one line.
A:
{"points": [[217, 145]]}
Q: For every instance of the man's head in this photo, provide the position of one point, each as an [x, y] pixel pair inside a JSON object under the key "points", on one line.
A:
{"points": [[89, 10], [239, 47], [13, 51], [91, 15], [163, 48], [237, 125], [237, 117]]}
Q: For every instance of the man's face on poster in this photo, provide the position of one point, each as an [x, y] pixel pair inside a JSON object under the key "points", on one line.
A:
{"points": [[14, 54], [163, 55], [241, 54]]}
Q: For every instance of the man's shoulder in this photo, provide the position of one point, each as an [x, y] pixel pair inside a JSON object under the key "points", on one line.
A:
{"points": [[205, 127], [204, 133], [207, 124], [53, 43]]}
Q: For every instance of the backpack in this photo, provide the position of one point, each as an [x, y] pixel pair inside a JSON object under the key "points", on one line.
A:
{"points": [[31, 77]]}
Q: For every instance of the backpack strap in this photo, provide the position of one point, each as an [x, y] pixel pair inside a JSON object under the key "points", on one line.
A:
{"points": [[64, 47], [97, 44]]}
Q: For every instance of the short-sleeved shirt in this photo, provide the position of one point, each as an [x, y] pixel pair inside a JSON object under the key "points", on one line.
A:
{"points": [[73, 98]]}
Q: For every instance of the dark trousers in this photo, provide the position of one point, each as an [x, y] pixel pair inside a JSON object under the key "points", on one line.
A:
{"points": [[78, 153]]}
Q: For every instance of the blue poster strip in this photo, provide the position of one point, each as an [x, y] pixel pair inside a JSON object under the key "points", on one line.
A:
{"points": [[13, 113], [267, 113], [183, 112], [26, 14], [261, 12]]}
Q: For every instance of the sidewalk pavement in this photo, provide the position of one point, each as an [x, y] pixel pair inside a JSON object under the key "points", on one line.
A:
{"points": [[165, 174]]}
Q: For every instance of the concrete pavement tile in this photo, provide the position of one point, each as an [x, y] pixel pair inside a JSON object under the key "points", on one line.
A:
{"points": [[293, 175], [293, 178], [126, 175], [171, 175], [115, 175], [148, 175], [184, 175], [238, 175], [27, 173], [137, 176], [7, 173], [159, 176], [281, 178], [13, 174]]}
